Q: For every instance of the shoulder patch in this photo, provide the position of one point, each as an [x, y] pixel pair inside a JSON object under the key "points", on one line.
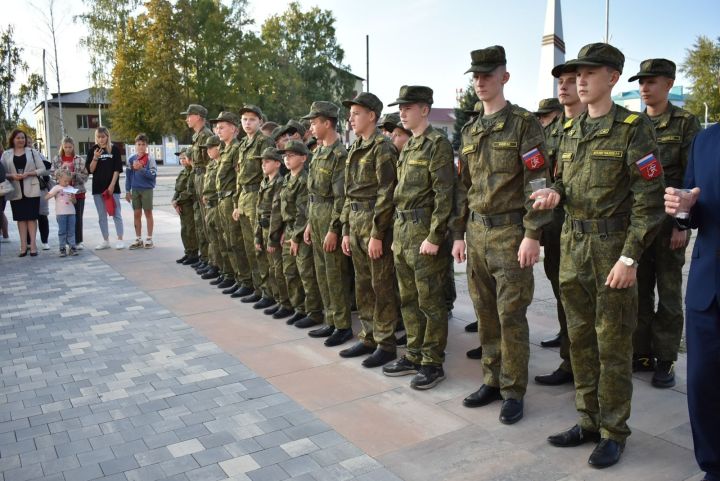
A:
{"points": [[469, 149], [534, 159], [649, 167], [631, 119]]}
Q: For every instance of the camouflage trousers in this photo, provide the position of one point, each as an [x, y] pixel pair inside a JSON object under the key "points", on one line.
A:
{"points": [[422, 283], [301, 281], [551, 246], [331, 268], [600, 323], [215, 256], [268, 286], [187, 229], [199, 211], [239, 270], [247, 204], [450, 291], [276, 278], [375, 292], [501, 292], [658, 333]]}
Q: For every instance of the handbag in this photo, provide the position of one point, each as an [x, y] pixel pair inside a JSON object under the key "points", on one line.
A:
{"points": [[6, 188]]}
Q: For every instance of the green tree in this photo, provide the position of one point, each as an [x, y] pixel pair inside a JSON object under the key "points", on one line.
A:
{"points": [[702, 66], [462, 113]]}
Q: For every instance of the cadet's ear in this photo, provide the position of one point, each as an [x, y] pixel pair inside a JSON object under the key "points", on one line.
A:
{"points": [[505, 77], [614, 76]]}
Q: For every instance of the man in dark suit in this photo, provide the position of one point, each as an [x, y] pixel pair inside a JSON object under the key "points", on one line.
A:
{"points": [[702, 300]]}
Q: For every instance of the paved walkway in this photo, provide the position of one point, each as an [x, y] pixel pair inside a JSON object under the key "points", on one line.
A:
{"points": [[122, 365]]}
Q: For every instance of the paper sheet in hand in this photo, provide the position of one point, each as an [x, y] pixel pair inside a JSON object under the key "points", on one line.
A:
{"points": [[70, 190]]}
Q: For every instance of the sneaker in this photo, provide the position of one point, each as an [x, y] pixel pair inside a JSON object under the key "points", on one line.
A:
{"points": [[80, 246], [138, 244], [63, 253], [401, 367], [73, 251], [120, 245], [45, 246], [102, 246], [664, 376], [428, 377], [149, 244]]}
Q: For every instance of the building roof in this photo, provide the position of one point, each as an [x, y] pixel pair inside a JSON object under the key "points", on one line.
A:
{"points": [[80, 98], [441, 115]]}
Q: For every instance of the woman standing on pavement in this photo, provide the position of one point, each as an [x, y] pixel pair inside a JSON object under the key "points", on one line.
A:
{"points": [[68, 159]]}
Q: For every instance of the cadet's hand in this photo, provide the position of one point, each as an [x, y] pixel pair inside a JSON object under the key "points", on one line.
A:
{"points": [[178, 209], [204, 200], [545, 199], [282, 238], [621, 276], [375, 250], [258, 247], [672, 199], [236, 214], [458, 251], [294, 247], [678, 239], [346, 245], [427, 248], [128, 197], [330, 242], [271, 249], [529, 252], [307, 235]]}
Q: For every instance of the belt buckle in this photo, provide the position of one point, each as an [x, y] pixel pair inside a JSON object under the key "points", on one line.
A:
{"points": [[487, 221], [354, 206]]}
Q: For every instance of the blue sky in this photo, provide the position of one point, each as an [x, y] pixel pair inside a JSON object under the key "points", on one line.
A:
{"points": [[428, 41]]}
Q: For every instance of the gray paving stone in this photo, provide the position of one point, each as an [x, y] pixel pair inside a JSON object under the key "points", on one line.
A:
{"points": [[179, 465], [268, 473], [212, 472], [119, 465], [60, 464], [96, 456], [51, 440], [269, 456], [212, 456], [38, 456], [300, 465], [17, 447], [24, 473], [153, 456], [73, 447], [381, 474], [272, 439], [216, 439], [161, 439], [84, 473], [128, 449], [146, 473]]}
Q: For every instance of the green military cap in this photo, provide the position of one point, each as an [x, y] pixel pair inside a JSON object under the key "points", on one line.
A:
{"points": [[252, 108], [212, 141], [367, 100], [292, 125], [296, 146], [391, 122], [549, 105], [410, 94], [655, 67], [597, 55], [196, 109], [275, 133], [270, 153], [229, 117], [182, 151], [322, 108], [485, 60], [558, 70]]}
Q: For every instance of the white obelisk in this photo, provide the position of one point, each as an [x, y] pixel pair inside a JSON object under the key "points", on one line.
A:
{"points": [[552, 51]]}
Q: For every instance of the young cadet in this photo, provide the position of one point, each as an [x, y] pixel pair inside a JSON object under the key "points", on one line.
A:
{"points": [[326, 195], [266, 243], [572, 108], [249, 176], [210, 200], [423, 201], [293, 130], [612, 183], [182, 201], [370, 176], [502, 150], [657, 337], [548, 110], [393, 129], [195, 116], [297, 256]]}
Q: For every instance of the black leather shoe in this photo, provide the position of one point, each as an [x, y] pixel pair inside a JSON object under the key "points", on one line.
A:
{"points": [[213, 273], [427, 378], [296, 317], [231, 289], [282, 313], [664, 376], [203, 268], [263, 303], [551, 342], [511, 411], [472, 327], [606, 453], [242, 292], [402, 340], [482, 397], [556, 378], [475, 353], [325, 331], [643, 363], [401, 367], [217, 281], [228, 282], [306, 322], [197, 263], [182, 259], [357, 349], [251, 298], [575, 436], [190, 261], [340, 336], [271, 310], [379, 358]]}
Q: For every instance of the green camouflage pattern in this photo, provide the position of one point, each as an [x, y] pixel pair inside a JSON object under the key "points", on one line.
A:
{"points": [[184, 197], [272, 278]]}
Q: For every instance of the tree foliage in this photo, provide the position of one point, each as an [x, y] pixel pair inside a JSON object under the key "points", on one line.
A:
{"points": [[462, 113], [702, 66]]}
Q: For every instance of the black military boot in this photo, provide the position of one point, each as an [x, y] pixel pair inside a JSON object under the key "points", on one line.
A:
{"points": [[664, 376], [379, 358], [643, 363], [556, 378], [475, 353], [226, 283], [340, 336], [472, 327], [427, 378], [182, 259]]}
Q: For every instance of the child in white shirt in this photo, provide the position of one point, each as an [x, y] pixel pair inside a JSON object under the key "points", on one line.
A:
{"points": [[64, 211]]}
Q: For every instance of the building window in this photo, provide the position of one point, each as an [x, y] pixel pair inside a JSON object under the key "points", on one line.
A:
{"points": [[87, 122], [84, 147]]}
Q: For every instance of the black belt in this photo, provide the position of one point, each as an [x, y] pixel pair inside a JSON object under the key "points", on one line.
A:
{"points": [[599, 226], [225, 193], [497, 220], [359, 206], [317, 199], [414, 215], [250, 188]]}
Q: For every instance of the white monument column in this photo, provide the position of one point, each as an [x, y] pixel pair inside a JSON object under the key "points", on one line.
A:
{"points": [[552, 51]]}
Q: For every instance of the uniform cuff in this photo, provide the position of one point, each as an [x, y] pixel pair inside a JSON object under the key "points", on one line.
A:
{"points": [[533, 234]]}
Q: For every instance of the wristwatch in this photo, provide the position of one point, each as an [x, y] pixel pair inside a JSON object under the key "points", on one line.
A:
{"points": [[628, 261]]}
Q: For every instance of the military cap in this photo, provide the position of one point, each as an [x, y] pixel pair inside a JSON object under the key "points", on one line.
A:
{"points": [[212, 141], [296, 146], [549, 105], [270, 153], [275, 133], [252, 108], [391, 122], [292, 125], [558, 70], [655, 67], [367, 100], [182, 151], [485, 60], [196, 109], [410, 94], [323, 109], [229, 117], [597, 55]]}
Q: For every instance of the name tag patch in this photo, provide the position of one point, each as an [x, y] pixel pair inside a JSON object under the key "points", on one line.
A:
{"points": [[505, 144], [534, 159], [422, 163], [610, 154], [669, 139], [566, 156], [649, 167]]}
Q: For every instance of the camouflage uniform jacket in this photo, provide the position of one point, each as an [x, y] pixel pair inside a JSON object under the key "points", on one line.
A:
{"points": [[327, 179], [293, 206], [184, 193], [209, 190], [268, 194], [225, 180], [249, 163], [199, 156]]}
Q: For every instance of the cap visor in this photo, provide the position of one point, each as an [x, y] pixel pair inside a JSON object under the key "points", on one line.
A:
{"points": [[483, 68]]}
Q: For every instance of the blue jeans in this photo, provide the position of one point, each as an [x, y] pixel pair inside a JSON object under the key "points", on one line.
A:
{"points": [[103, 215], [66, 230]]}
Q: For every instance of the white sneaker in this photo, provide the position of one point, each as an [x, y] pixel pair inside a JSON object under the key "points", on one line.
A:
{"points": [[120, 245], [102, 246], [80, 246], [45, 246]]}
